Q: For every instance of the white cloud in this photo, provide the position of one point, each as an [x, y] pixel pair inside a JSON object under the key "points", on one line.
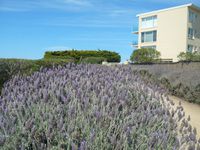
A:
{"points": [[28, 5], [78, 2], [79, 5], [98, 39], [175, 2], [12, 9], [89, 22]]}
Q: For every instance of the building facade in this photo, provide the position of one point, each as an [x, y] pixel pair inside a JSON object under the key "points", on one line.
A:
{"points": [[170, 31]]}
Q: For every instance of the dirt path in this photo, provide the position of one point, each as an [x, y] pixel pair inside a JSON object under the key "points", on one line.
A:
{"points": [[190, 109]]}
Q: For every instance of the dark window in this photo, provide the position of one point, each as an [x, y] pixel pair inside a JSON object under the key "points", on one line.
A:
{"points": [[150, 36]]}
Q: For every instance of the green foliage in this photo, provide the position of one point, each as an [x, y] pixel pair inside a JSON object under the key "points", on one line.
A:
{"points": [[191, 94], [93, 60], [164, 81], [78, 56], [145, 55], [51, 62], [197, 94], [178, 90], [10, 67], [188, 56]]}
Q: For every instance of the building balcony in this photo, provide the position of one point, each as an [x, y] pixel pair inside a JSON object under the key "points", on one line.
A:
{"points": [[134, 44], [135, 32]]}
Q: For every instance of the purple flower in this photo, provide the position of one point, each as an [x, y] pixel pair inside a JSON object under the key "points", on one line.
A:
{"points": [[2, 140], [92, 136], [83, 146]]}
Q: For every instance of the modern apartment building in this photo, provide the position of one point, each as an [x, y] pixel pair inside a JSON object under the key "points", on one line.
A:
{"points": [[170, 31]]}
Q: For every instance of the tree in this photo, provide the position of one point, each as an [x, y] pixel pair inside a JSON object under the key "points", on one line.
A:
{"points": [[189, 56], [145, 55]]}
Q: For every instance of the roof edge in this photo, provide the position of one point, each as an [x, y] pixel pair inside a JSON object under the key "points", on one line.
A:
{"points": [[195, 7], [166, 9]]}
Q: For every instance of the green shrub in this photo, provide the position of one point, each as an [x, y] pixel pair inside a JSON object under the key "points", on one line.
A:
{"points": [[178, 90], [189, 56], [164, 81], [197, 94], [190, 94], [145, 55], [93, 60], [82, 54], [50, 62]]}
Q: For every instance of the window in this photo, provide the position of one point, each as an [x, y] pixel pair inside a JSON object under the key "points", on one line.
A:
{"points": [[190, 48], [197, 34], [192, 16], [195, 49], [149, 22], [150, 36], [191, 33]]}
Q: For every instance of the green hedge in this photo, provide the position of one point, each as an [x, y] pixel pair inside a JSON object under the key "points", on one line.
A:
{"points": [[79, 55], [11, 67], [93, 60]]}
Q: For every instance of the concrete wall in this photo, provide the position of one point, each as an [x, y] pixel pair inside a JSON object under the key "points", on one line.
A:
{"points": [[172, 33]]}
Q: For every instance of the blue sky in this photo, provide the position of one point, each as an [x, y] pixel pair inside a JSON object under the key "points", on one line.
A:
{"points": [[28, 28]]}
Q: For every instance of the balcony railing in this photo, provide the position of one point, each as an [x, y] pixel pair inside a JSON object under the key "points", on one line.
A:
{"points": [[135, 44], [135, 32]]}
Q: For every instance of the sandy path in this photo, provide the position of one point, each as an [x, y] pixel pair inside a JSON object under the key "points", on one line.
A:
{"points": [[190, 109]]}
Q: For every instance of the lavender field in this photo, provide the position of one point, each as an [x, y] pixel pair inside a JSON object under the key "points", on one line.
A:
{"points": [[94, 107]]}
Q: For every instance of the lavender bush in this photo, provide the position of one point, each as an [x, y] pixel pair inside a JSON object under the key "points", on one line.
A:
{"points": [[12, 67], [82, 107]]}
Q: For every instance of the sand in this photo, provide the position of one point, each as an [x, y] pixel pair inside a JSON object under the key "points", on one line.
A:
{"points": [[190, 109]]}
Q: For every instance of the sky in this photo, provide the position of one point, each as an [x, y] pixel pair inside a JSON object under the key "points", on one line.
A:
{"points": [[28, 28]]}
